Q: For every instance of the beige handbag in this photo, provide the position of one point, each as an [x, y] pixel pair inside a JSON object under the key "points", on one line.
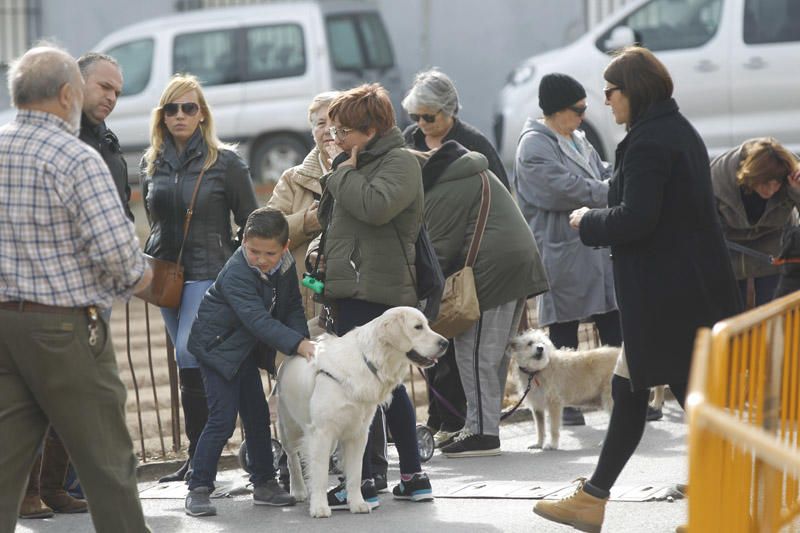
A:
{"points": [[167, 286], [460, 308]]}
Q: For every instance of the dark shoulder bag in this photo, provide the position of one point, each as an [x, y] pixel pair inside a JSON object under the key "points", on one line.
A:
{"points": [[429, 278], [167, 286]]}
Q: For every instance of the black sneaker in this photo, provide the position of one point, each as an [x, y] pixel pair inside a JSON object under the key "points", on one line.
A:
{"points": [[472, 445], [654, 414], [380, 483], [337, 496], [416, 489], [571, 416]]}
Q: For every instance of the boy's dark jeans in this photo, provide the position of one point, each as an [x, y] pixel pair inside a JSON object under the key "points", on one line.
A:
{"points": [[244, 394]]}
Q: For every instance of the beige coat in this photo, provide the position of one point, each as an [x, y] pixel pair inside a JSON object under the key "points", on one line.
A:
{"points": [[295, 192]]}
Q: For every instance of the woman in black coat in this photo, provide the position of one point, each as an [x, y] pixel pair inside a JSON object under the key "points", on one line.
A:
{"points": [[671, 269]]}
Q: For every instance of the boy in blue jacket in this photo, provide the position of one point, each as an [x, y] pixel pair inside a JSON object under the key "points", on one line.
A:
{"points": [[253, 309]]}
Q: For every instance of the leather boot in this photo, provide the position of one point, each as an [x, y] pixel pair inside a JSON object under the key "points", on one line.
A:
{"points": [[32, 505], [55, 462], [581, 510], [195, 414]]}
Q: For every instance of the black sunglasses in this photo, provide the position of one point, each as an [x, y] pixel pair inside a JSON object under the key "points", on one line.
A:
{"points": [[189, 109], [578, 109], [430, 119], [608, 91]]}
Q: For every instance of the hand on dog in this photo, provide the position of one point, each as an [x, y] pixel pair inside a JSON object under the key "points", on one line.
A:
{"points": [[576, 216], [306, 348]]}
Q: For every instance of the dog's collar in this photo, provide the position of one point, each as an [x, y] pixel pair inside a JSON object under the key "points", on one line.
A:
{"points": [[532, 376], [328, 374], [372, 368]]}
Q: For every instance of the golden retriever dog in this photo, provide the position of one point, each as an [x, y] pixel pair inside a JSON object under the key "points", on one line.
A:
{"points": [[333, 398], [559, 378]]}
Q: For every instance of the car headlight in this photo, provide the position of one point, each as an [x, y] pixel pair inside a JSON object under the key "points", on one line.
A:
{"points": [[520, 75]]}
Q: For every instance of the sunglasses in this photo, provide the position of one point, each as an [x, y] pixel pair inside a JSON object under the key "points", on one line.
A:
{"points": [[430, 119], [189, 109], [340, 133], [578, 109], [608, 91]]}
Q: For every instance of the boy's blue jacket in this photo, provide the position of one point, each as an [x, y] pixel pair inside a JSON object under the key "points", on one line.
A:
{"points": [[238, 316]]}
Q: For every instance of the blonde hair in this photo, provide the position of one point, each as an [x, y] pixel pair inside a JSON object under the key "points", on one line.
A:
{"points": [[320, 101], [179, 85], [765, 160]]}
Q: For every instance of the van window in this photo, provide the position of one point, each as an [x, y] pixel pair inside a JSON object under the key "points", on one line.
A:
{"points": [[671, 24], [210, 55], [358, 42], [771, 21], [136, 60], [276, 51]]}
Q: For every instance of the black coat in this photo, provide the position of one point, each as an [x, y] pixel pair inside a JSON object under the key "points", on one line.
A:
{"points": [[226, 188], [242, 312], [106, 143], [468, 137], [671, 269]]}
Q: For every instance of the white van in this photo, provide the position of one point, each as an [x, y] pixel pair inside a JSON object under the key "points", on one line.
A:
{"points": [[260, 67], [734, 64]]}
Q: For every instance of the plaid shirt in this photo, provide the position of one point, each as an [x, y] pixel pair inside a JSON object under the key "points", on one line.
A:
{"points": [[64, 237]]}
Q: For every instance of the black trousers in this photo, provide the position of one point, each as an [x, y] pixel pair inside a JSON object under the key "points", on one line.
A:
{"points": [[444, 377], [565, 334]]}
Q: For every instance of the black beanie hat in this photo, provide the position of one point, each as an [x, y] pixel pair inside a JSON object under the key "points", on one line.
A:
{"points": [[559, 91]]}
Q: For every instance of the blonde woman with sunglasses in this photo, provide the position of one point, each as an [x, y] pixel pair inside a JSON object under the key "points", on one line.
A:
{"points": [[183, 143]]}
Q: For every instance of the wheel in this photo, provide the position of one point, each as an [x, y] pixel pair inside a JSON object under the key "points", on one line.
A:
{"points": [[273, 155], [424, 443], [277, 451]]}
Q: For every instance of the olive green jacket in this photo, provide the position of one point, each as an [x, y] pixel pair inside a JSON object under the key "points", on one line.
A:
{"points": [[508, 266], [372, 215]]}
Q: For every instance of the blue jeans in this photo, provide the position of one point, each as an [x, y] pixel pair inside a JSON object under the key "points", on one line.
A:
{"points": [[244, 394], [179, 321]]}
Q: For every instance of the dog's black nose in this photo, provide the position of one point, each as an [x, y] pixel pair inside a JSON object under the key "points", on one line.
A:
{"points": [[537, 354], [443, 344]]}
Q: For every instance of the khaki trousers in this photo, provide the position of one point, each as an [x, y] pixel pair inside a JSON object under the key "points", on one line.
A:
{"points": [[49, 372]]}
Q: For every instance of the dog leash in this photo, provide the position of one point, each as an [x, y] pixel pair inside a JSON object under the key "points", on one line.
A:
{"points": [[455, 412], [772, 260]]}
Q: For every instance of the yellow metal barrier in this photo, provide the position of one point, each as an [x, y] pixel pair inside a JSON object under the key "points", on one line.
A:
{"points": [[743, 407]]}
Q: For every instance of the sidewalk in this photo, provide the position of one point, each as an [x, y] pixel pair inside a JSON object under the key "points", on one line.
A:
{"points": [[660, 461]]}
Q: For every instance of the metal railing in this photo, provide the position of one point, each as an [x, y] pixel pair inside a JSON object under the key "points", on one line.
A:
{"points": [[744, 409]]}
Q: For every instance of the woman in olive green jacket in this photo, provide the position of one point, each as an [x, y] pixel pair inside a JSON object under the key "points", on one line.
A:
{"points": [[371, 212]]}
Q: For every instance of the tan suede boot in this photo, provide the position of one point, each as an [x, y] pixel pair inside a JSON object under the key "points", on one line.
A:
{"points": [[682, 529], [581, 510], [55, 462], [32, 505]]}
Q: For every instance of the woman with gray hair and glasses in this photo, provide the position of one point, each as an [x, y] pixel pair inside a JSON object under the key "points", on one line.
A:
{"points": [[432, 104]]}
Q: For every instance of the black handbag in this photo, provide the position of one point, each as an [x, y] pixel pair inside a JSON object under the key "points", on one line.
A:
{"points": [[429, 278]]}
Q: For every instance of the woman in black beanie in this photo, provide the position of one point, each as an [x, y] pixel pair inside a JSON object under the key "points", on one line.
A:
{"points": [[557, 171]]}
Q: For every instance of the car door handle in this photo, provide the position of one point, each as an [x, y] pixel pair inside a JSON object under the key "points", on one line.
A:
{"points": [[755, 63], [706, 66]]}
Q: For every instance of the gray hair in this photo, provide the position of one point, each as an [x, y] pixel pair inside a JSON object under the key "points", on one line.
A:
{"points": [[89, 59], [319, 101], [40, 73], [433, 89]]}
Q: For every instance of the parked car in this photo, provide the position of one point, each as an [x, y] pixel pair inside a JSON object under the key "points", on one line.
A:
{"points": [[260, 67], [734, 64]]}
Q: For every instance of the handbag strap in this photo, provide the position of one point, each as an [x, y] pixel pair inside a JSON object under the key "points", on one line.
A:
{"points": [[480, 225], [189, 212]]}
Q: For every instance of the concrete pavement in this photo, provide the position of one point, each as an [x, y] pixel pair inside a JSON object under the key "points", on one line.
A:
{"points": [[660, 460]]}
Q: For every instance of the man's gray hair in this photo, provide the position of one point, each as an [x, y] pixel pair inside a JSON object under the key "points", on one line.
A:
{"points": [[87, 60], [39, 74], [432, 89]]}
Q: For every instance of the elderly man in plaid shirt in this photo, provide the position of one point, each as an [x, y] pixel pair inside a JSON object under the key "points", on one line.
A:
{"points": [[66, 251]]}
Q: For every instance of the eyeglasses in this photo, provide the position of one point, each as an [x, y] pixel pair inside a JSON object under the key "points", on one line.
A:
{"points": [[608, 91], [579, 109], [189, 109], [340, 133], [430, 119]]}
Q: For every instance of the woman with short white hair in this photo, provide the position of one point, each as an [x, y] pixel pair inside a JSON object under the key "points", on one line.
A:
{"points": [[432, 103]]}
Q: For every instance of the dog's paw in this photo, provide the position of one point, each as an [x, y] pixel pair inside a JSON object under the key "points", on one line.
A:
{"points": [[551, 446], [535, 446], [319, 511], [359, 507], [300, 495]]}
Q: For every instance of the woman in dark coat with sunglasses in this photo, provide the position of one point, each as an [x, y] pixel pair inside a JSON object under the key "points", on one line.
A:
{"points": [[557, 170], [432, 104], [183, 143]]}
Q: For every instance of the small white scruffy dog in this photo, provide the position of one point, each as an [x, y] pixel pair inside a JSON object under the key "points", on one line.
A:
{"points": [[559, 378]]}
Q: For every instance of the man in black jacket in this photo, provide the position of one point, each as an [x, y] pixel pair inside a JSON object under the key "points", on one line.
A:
{"points": [[102, 86]]}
